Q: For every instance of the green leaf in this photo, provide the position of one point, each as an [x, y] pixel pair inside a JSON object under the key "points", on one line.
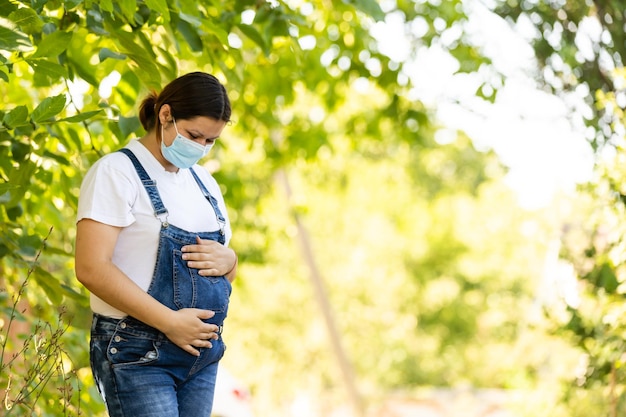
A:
{"points": [[48, 108], [190, 34], [279, 27], [160, 6], [16, 117], [53, 44], [11, 39], [369, 7], [75, 138], [72, 293], [49, 283], [128, 8], [145, 60], [170, 65], [7, 7], [48, 69], [263, 13], [20, 150], [607, 278], [27, 19], [129, 125], [82, 69], [41, 137], [21, 178], [70, 4], [24, 130], [193, 20], [255, 36], [81, 117], [218, 32], [4, 188], [13, 213], [107, 53], [106, 5], [59, 158]]}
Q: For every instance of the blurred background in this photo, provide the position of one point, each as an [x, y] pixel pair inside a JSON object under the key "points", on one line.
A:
{"points": [[427, 198]]}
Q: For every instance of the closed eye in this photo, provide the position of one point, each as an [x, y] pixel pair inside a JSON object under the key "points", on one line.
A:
{"points": [[196, 136]]}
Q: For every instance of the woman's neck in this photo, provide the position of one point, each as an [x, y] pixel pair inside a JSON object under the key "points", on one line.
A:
{"points": [[149, 140]]}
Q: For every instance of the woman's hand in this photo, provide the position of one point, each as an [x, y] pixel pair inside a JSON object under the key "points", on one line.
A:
{"points": [[211, 258], [187, 330]]}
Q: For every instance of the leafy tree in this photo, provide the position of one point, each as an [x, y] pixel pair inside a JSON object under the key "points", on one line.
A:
{"points": [[580, 50], [314, 97]]}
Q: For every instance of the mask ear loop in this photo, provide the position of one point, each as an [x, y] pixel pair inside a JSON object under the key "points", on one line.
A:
{"points": [[163, 134], [158, 118], [163, 127]]}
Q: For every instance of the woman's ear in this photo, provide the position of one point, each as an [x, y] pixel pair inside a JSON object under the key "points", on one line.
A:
{"points": [[165, 114]]}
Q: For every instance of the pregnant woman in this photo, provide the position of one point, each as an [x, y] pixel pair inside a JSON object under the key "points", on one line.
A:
{"points": [[152, 249]]}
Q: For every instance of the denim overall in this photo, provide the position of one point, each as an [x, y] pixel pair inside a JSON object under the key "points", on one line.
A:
{"points": [[139, 372]]}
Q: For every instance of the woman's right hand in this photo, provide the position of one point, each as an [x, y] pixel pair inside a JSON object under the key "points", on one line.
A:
{"points": [[187, 330]]}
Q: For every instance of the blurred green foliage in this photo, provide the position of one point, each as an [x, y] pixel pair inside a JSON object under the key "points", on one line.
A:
{"points": [[431, 268], [581, 50]]}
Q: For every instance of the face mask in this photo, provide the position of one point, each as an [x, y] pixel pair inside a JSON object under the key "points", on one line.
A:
{"points": [[183, 152]]}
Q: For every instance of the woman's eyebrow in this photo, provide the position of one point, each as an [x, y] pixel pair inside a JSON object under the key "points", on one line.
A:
{"points": [[199, 134], [195, 132]]}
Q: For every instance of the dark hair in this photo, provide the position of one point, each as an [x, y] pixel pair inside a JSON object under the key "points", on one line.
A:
{"points": [[190, 95]]}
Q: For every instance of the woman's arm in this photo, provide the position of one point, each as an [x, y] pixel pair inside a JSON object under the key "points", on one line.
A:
{"points": [[95, 243], [230, 275]]}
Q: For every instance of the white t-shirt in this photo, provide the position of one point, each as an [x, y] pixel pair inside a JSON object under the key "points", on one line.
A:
{"points": [[112, 193]]}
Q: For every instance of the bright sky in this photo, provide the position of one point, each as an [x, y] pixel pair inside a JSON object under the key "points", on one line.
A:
{"points": [[527, 128]]}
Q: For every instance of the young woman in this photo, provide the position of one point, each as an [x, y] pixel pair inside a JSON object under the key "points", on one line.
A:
{"points": [[152, 249]]}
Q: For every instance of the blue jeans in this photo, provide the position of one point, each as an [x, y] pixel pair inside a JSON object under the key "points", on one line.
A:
{"points": [[140, 373]]}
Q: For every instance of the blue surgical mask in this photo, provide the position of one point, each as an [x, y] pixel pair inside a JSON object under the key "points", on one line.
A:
{"points": [[183, 152]]}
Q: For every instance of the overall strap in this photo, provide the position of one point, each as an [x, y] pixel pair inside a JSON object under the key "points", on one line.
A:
{"points": [[150, 186], [218, 213]]}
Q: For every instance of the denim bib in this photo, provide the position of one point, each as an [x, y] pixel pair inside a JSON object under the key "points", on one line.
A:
{"points": [[173, 283]]}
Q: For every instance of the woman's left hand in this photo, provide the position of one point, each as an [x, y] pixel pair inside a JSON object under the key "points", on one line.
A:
{"points": [[211, 258]]}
